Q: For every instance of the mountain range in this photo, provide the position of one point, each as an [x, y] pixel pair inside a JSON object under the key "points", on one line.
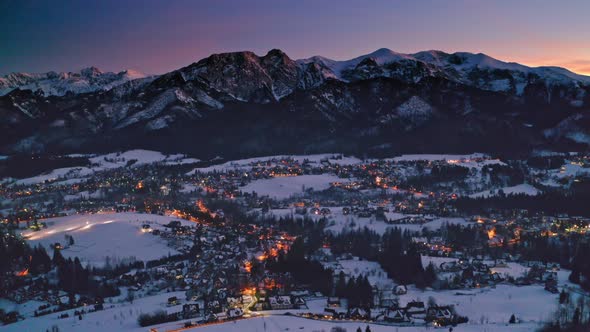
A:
{"points": [[242, 104]]}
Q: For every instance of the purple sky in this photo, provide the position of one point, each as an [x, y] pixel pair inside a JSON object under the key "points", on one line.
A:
{"points": [[159, 36]]}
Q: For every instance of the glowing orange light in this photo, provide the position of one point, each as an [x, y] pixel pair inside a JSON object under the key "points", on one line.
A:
{"points": [[491, 233], [202, 206], [22, 273]]}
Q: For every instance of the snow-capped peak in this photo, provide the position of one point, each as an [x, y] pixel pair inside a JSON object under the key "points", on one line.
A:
{"points": [[58, 84], [461, 62]]}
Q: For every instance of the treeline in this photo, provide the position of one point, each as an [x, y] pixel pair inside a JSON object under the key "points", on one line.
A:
{"points": [[394, 251], [304, 226], [13, 250], [22, 166], [303, 270], [74, 278], [569, 252], [549, 162], [581, 266], [357, 291], [503, 175], [439, 173], [551, 203], [460, 237], [572, 315], [157, 317]]}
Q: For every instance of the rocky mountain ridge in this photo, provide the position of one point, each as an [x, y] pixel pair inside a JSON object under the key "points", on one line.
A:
{"points": [[258, 103]]}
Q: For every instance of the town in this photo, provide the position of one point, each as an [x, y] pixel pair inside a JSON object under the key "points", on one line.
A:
{"points": [[158, 242]]}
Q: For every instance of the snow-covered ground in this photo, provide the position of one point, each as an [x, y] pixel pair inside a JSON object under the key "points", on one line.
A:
{"points": [[109, 161], [123, 317], [337, 221], [247, 164], [494, 305], [97, 236], [284, 187], [355, 267], [286, 323], [115, 317], [523, 188]]}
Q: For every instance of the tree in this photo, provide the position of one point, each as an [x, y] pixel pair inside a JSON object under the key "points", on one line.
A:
{"points": [[58, 258], [574, 277], [563, 297], [512, 319], [40, 260], [130, 296], [341, 285], [430, 276]]}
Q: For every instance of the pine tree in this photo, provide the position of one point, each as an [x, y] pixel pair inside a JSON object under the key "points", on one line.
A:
{"points": [[58, 259], [341, 285], [430, 275]]}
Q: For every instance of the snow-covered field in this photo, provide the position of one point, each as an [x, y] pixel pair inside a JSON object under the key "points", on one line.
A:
{"points": [[286, 323], [285, 187], [494, 305], [97, 236], [115, 317], [247, 164], [523, 188], [124, 319]]}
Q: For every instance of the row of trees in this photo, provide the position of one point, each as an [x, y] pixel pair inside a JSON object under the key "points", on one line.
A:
{"points": [[357, 291], [574, 202], [394, 250], [303, 270]]}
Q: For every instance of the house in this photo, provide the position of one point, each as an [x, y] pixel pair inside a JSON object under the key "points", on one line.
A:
{"points": [[400, 290], [396, 315], [334, 302], [438, 313], [299, 302], [172, 301], [214, 306], [416, 309], [358, 313], [190, 310], [280, 302], [235, 313], [233, 301]]}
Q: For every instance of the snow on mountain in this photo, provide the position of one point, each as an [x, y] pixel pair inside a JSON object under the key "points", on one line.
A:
{"points": [[461, 66], [58, 84], [381, 56], [415, 109]]}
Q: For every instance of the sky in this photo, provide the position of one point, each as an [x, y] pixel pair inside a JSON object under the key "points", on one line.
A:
{"points": [[159, 36]]}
